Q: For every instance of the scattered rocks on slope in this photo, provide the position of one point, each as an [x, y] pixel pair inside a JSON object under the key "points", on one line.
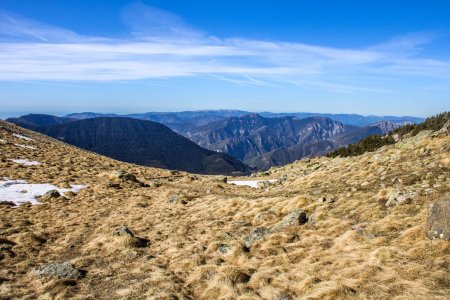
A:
{"points": [[60, 270], [438, 222], [400, 196]]}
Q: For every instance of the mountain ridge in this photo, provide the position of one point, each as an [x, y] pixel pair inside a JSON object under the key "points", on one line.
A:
{"points": [[143, 142]]}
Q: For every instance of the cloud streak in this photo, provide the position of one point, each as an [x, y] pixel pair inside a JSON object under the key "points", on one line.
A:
{"points": [[162, 45]]}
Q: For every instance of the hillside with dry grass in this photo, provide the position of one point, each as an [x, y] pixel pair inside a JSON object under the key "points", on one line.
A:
{"points": [[365, 227]]}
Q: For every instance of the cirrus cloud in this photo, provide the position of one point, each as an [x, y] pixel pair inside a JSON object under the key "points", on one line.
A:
{"points": [[162, 45]]}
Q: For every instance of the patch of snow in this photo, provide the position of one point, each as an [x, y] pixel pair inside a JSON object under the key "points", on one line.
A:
{"points": [[25, 162], [2, 141], [250, 183], [19, 191], [22, 137], [25, 146]]}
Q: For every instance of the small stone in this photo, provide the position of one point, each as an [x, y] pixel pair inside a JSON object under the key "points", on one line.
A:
{"points": [[52, 194], [325, 200], [224, 249], [124, 231], [7, 203], [400, 196], [60, 270], [173, 198]]}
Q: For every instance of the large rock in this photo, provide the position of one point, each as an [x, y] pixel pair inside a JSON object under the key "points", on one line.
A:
{"points": [[60, 270], [438, 222], [445, 129]]}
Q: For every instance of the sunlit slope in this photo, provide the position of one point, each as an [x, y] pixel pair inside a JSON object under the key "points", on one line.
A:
{"points": [[329, 228]]}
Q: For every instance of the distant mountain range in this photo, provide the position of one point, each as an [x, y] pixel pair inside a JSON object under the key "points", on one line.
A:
{"points": [[257, 141], [265, 142], [141, 142], [203, 117]]}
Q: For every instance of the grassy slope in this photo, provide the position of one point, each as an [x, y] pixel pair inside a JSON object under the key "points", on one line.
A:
{"points": [[353, 248]]}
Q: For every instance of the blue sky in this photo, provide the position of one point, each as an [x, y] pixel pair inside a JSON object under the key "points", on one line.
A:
{"points": [[367, 57]]}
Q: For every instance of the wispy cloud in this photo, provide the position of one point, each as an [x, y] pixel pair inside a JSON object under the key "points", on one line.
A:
{"points": [[162, 45]]}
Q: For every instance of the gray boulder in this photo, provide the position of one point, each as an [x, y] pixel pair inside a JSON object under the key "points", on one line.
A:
{"points": [[400, 196], [257, 234], [124, 231], [438, 222], [296, 217], [60, 270], [224, 249]]}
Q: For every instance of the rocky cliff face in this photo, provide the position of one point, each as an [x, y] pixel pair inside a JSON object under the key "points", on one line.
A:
{"points": [[369, 226], [251, 136]]}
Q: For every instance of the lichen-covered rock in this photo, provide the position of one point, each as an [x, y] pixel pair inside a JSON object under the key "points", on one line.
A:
{"points": [[296, 217], [60, 270], [257, 234], [173, 198], [438, 222], [224, 249], [445, 129], [124, 231], [400, 196]]}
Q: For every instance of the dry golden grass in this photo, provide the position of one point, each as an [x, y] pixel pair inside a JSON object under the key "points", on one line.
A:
{"points": [[353, 247]]}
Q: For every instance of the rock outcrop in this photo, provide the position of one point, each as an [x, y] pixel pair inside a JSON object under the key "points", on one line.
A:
{"points": [[438, 222]]}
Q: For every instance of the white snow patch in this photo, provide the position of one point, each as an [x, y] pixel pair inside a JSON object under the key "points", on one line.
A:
{"points": [[19, 191], [25, 146], [25, 162], [250, 183], [22, 137], [2, 141]]}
